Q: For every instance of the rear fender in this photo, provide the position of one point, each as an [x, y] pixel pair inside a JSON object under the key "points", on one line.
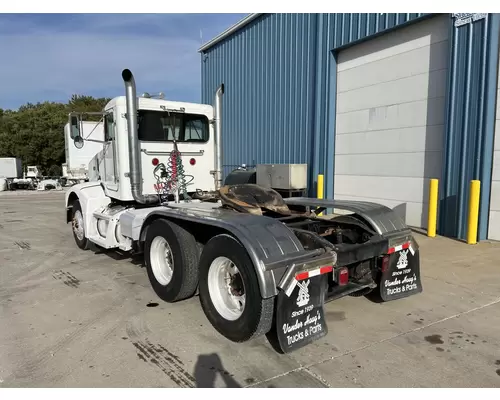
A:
{"points": [[272, 247], [401, 276], [381, 218]]}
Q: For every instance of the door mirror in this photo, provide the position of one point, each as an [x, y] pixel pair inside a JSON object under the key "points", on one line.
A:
{"points": [[78, 142]]}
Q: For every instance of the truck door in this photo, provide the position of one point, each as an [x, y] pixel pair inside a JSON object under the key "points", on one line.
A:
{"points": [[110, 166]]}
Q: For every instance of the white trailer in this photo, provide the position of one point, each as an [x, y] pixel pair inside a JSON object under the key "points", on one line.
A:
{"points": [[11, 168], [76, 167], [257, 260]]}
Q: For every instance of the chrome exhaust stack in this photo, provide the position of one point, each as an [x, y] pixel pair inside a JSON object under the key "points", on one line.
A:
{"points": [[218, 136], [135, 172]]}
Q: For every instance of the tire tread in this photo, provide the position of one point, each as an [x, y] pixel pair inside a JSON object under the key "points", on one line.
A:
{"points": [[188, 254], [188, 247], [265, 312], [85, 244]]}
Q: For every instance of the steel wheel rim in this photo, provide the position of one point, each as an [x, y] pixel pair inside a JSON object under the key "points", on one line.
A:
{"points": [[226, 288], [78, 225], [162, 262]]}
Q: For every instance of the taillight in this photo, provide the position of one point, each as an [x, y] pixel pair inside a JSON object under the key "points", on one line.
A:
{"points": [[155, 161], [192, 161], [343, 276], [385, 263]]}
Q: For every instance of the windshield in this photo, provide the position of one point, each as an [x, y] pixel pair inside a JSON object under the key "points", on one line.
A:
{"points": [[163, 126]]}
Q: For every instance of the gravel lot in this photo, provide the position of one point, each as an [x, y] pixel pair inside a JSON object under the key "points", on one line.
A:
{"points": [[71, 318]]}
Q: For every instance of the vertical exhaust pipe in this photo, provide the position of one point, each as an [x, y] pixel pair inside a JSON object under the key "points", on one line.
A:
{"points": [[135, 171], [218, 136]]}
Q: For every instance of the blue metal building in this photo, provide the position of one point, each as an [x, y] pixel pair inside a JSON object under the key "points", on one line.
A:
{"points": [[378, 103]]}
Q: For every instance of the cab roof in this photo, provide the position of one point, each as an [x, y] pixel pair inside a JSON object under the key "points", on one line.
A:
{"points": [[159, 104]]}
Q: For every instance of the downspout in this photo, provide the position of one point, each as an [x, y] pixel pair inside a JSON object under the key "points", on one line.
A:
{"points": [[135, 172], [218, 136]]}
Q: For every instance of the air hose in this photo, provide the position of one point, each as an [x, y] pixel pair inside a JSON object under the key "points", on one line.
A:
{"points": [[171, 178]]}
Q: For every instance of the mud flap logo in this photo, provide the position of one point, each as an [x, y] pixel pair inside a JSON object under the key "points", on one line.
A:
{"points": [[402, 277], [403, 260], [303, 296], [300, 317]]}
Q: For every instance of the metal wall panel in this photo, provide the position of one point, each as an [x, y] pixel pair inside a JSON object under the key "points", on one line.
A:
{"points": [[268, 107], [279, 73], [494, 217], [470, 124], [280, 102]]}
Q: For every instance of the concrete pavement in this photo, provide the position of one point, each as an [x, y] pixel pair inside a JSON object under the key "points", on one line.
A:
{"points": [[71, 318]]}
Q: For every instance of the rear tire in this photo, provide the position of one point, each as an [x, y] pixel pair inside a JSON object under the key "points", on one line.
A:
{"points": [[78, 227], [236, 310], [171, 257]]}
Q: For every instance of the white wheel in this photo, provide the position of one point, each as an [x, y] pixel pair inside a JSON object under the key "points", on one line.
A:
{"points": [[162, 262], [230, 292], [78, 225], [171, 259], [226, 288]]}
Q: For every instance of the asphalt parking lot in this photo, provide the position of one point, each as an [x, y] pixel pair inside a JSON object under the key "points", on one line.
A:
{"points": [[72, 318]]}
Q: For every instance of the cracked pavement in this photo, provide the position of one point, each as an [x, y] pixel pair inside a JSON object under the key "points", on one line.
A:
{"points": [[82, 319]]}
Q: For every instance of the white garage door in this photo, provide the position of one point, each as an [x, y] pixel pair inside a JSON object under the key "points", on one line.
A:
{"points": [[390, 118], [494, 222]]}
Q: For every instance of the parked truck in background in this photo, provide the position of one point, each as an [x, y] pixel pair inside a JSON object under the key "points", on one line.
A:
{"points": [[12, 176], [261, 263], [32, 172], [76, 168], [11, 168]]}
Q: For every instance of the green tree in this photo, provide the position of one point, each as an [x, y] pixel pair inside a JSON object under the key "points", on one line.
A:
{"points": [[35, 132]]}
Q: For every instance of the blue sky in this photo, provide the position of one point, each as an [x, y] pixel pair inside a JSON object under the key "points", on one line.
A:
{"points": [[52, 56]]}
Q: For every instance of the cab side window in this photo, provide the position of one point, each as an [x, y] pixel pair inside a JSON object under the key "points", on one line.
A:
{"points": [[109, 130]]}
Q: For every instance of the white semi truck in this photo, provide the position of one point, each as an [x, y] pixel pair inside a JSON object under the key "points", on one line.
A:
{"points": [[261, 263]]}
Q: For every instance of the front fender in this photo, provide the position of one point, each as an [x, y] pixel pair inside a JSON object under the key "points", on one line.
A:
{"points": [[91, 197]]}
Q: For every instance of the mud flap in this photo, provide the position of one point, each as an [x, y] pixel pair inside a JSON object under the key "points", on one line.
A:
{"points": [[402, 278], [300, 318]]}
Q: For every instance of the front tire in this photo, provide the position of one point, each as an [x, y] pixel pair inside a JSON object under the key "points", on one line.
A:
{"points": [[229, 291], [78, 226], [171, 257]]}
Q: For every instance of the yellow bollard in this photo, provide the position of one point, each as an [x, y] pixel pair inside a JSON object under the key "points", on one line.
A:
{"points": [[472, 221], [321, 186], [433, 204]]}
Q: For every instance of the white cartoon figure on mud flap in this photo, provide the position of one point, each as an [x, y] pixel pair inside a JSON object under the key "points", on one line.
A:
{"points": [[403, 259], [303, 297]]}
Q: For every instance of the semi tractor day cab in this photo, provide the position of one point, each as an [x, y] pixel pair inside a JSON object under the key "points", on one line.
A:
{"points": [[261, 263]]}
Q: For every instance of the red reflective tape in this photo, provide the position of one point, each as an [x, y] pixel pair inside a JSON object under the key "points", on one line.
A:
{"points": [[398, 248], [309, 274], [325, 270], [302, 276]]}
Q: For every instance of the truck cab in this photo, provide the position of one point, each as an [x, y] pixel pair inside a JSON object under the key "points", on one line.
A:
{"points": [[160, 123], [153, 151]]}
